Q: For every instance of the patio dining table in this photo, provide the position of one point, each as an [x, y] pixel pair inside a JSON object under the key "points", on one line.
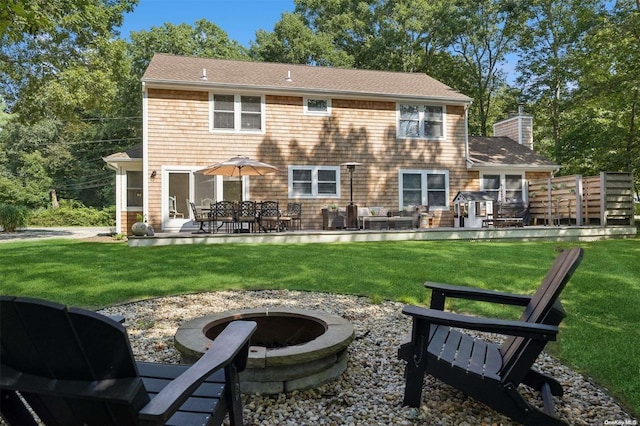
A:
{"points": [[269, 219]]}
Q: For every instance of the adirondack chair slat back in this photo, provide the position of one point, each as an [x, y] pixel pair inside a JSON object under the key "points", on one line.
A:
{"points": [[46, 340], [538, 311]]}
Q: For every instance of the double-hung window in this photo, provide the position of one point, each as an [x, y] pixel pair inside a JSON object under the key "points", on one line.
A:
{"points": [[242, 113], [424, 187], [134, 190], [314, 181], [421, 121], [504, 187]]}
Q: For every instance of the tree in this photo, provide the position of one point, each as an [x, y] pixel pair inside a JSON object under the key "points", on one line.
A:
{"points": [[399, 35], [602, 130], [293, 42], [484, 33], [42, 39], [547, 68]]}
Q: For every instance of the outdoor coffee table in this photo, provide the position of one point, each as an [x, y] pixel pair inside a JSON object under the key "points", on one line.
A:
{"points": [[375, 222]]}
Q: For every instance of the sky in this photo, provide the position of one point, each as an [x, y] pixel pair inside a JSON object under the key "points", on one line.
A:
{"points": [[240, 19]]}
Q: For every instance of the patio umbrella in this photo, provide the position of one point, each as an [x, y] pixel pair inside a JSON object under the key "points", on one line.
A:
{"points": [[239, 166]]}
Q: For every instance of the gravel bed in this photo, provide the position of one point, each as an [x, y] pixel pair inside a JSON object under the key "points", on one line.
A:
{"points": [[370, 391]]}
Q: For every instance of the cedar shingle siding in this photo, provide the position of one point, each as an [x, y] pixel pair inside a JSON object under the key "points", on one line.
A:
{"points": [[357, 130]]}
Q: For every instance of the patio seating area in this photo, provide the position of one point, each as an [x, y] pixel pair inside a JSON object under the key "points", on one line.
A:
{"points": [[379, 218]]}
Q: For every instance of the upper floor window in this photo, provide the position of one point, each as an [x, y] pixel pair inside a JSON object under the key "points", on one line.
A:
{"points": [[506, 188], [421, 121], [237, 112], [424, 187], [314, 181], [317, 106]]}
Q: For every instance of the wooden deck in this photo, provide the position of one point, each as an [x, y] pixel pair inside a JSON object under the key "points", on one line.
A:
{"points": [[527, 233]]}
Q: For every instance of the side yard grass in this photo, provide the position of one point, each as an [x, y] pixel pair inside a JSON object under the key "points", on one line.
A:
{"points": [[600, 337]]}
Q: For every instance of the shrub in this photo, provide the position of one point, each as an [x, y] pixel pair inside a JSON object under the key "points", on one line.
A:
{"points": [[73, 213], [13, 217]]}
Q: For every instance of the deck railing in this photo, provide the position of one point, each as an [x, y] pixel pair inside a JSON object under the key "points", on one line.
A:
{"points": [[606, 199]]}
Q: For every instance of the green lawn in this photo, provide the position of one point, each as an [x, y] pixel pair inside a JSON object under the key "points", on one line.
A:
{"points": [[599, 338]]}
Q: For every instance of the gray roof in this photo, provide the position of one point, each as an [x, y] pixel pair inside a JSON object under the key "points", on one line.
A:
{"points": [[272, 77], [473, 196], [487, 151], [132, 154]]}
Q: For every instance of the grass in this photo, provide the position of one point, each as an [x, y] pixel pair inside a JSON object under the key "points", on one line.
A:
{"points": [[600, 336]]}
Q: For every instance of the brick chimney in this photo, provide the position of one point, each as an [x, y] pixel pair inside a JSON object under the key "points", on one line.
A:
{"points": [[518, 127]]}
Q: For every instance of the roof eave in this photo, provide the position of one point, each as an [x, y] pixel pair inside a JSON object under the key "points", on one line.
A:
{"points": [[491, 166], [207, 86], [116, 161]]}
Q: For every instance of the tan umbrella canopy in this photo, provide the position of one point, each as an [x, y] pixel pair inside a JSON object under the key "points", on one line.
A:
{"points": [[239, 166]]}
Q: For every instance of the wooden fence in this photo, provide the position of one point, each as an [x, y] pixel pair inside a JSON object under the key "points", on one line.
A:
{"points": [[606, 199]]}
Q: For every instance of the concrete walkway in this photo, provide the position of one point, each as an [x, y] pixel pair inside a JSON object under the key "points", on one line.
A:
{"points": [[28, 234]]}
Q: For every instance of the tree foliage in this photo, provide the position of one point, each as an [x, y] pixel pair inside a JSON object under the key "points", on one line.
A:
{"points": [[42, 39], [70, 90], [292, 41], [602, 118]]}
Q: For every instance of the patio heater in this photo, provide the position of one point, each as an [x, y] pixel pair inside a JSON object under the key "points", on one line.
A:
{"points": [[352, 209]]}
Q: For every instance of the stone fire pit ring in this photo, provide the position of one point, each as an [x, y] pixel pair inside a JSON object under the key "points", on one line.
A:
{"points": [[292, 349]]}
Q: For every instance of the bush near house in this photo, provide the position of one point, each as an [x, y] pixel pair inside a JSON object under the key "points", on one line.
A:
{"points": [[73, 213], [13, 217]]}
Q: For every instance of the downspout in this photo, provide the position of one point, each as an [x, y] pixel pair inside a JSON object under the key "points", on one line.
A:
{"points": [[466, 134], [145, 152]]}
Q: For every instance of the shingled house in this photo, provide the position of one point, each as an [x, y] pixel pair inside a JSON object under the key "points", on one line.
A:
{"points": [[408, 131]]}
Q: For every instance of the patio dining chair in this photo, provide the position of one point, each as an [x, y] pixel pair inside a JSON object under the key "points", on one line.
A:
{"points": [[173, 208], [200, 217], [225, 213], [270, 216], [294, 212], [247, 214]]}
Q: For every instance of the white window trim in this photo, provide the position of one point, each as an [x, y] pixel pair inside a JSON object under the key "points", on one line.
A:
{"points": [[125, 191], [503, 181], [423, 185], [237, 113], [305, 106], [421, 120], [314, 181]]}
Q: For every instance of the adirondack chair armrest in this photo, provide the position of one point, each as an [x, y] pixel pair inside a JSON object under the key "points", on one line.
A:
{"points": [[491, 325], [117, 318], [122, 390], [233, 342], [441, 291]]}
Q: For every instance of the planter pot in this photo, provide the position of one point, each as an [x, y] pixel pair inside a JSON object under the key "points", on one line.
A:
{"points": [[139, 229]]}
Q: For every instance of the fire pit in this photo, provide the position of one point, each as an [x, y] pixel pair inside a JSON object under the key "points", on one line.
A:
{"points": [[291, 349]]}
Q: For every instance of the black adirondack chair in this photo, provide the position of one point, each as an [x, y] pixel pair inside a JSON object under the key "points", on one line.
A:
{"points": [[487, 372], [76, 367]]}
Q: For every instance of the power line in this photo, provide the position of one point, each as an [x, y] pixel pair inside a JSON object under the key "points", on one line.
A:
{"points": [[109, 118]]}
